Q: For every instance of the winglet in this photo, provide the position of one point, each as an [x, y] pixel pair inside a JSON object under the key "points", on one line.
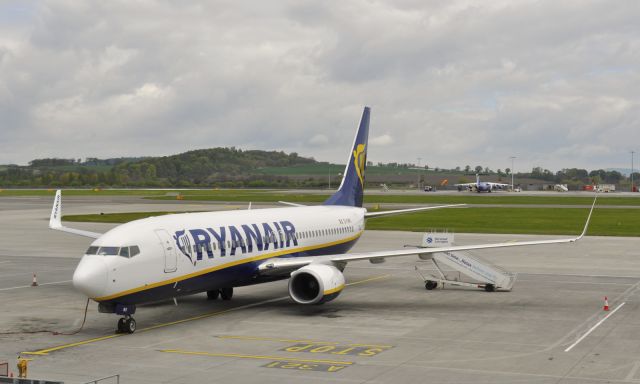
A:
{"points": [[56, 211], [55, 220], [586, 225]]}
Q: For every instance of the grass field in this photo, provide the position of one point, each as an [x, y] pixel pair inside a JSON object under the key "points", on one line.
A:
{"points": [[247, 195], [462, 198], [547, 221]]}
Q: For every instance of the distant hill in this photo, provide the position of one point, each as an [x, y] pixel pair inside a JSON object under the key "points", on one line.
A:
{"points": [[207, 166], [237, 168], [224, 167]]}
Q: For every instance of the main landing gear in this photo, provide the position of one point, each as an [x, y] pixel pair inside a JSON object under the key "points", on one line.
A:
{"points": [[224, 293], [126, 324]]}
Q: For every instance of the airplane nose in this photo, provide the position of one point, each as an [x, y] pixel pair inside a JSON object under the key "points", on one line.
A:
{"points": [[91, 276]]}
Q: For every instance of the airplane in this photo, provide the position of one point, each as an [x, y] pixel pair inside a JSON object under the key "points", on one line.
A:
{"points": [[161, 258], [481, 186]]}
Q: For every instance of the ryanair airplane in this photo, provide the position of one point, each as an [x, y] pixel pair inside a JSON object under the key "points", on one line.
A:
{"points": [[160, 258]]}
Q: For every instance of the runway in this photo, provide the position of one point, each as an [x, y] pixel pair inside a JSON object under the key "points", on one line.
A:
{"points": [[385, 327]]}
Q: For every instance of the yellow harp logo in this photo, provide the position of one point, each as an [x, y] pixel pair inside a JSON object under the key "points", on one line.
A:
{"points": [[359, 160]]}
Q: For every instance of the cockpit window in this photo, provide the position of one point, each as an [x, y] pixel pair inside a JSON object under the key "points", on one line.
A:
{"points": [[108, 251], [124, 251], [127, 252]]}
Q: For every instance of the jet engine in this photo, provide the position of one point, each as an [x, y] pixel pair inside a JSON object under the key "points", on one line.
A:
{"points": [[315, 284]]}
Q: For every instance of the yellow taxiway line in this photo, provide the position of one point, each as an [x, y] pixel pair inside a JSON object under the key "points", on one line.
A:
{"points": [[203, 316], [256, 357], [259, 338]]}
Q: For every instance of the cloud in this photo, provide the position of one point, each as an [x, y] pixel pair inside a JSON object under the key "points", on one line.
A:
{"points": [[319, 140], [381, 141], [457, 82]]}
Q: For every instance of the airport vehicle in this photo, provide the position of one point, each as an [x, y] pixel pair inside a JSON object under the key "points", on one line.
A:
{"points": [[481, 186], [161, 258]]}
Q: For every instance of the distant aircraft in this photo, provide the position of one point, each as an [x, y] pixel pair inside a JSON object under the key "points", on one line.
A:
{"points": [[165, 257], [481, 186]]}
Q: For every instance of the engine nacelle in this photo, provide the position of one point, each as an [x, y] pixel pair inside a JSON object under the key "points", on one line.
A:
{"points": [[315, 284]]}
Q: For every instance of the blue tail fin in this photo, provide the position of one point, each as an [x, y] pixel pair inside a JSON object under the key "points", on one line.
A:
{"points": [[351, 189]]}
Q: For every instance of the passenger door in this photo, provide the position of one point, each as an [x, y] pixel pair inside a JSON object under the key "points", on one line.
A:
{"points": [[170, 255]]}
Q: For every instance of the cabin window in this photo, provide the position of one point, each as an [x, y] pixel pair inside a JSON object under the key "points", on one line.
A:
{"points": [[92, 251]]}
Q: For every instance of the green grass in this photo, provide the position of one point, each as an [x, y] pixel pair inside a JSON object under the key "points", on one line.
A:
{"points": [[462, 198], [247, 195], [540, 221], [114, 217], [115, 192], [537, 221]]}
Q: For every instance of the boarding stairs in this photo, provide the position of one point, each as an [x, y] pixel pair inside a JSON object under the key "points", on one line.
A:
{"points": [[461, 268]]}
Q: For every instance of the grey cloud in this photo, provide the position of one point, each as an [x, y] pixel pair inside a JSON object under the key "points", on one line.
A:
{"points": [[456, 83]]}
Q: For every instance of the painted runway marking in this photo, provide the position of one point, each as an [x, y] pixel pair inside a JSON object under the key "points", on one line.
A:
{"points": [[259, 338], [318, 367], [39, 284], [593, 328], [353, 350], [255, 357], [630, 376], [203, 316]]}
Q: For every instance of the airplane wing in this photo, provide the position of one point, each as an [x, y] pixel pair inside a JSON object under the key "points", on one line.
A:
{"points": [[55, 221], [465, 185], [279, 265], [409, 210], [291, 204]]}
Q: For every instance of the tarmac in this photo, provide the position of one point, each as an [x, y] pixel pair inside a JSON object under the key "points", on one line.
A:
{"points": [[384, 327]]}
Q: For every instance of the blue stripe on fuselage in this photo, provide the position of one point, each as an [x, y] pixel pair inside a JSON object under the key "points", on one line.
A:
{"points": [[238, 275]]}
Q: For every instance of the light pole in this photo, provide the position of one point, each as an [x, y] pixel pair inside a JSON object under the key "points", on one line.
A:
{"points": [[329, 175], [512, 158], [418, 183], [632, 152]]}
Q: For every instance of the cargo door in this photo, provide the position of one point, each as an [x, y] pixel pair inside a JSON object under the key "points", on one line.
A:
{"points": [[170, 255]]}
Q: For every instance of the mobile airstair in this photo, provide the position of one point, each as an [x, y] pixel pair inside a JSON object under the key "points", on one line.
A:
{"points": [[461, 268]]}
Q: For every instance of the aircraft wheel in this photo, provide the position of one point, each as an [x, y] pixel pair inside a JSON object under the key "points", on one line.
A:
{"points": [[129, 325], [429, 285], [226, 293], [490, 288], [121, 325], [213, 295]]}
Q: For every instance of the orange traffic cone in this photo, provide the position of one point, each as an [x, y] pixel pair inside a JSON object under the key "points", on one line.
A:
{"points": [[34, 283], [606, 304]]}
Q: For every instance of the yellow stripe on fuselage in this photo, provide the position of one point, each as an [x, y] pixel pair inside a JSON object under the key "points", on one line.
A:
{"points": [[223, 266]]}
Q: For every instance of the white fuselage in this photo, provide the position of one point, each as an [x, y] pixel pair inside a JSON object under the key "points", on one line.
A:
{"points": [[193, 252]]}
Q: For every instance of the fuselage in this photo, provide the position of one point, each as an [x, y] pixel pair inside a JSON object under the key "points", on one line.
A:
{"points": [[168, 256]]}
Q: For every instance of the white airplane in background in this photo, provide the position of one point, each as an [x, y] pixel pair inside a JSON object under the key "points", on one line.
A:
{"points": [[161, 258], [481, 186]]}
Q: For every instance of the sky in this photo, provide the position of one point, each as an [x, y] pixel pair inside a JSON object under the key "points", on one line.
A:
{"points": [[452, 82]]}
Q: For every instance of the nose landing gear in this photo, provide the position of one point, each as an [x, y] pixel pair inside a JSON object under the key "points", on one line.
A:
{"points": [[126, 324]]}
